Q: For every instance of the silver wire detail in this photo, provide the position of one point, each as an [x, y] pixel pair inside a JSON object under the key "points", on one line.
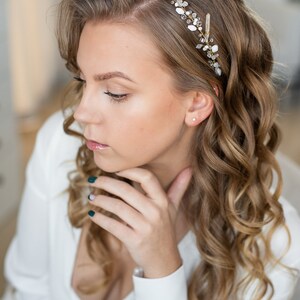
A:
{"points": [[194, 23]]}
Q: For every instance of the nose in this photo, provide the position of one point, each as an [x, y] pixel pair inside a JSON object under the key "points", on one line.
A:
{"points": [[86, 111]]}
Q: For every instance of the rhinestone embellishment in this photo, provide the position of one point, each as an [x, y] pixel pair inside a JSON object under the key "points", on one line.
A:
{"points": [[206, 43]]}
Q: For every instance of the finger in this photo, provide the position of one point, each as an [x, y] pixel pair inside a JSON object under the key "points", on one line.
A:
{"points": [[125, 191], [118, 207], [124, 233], [148, 181], [179, 186]]}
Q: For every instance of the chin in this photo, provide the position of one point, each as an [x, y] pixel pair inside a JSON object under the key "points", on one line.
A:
{"points": [[111, 165], [109, 168]]}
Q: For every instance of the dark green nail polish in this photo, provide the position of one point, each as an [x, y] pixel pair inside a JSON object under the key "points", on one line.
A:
{"points": [[91, 213], [92, 179]]}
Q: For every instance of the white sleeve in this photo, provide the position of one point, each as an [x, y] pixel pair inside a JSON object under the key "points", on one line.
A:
{"points": [[284, 281], [171, 287], [26, 261]]}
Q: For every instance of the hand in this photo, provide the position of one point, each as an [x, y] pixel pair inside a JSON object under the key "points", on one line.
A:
{"points": [[149, 235]]}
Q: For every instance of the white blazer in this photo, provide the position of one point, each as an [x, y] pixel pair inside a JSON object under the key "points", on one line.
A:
{"points": [[40, 259]]}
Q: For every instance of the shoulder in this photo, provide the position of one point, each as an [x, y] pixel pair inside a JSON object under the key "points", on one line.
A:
{"points": [[49, 132], [52, 122], [280, 238], [53, 126], [51, 136], [292, 221], [54, 153]]}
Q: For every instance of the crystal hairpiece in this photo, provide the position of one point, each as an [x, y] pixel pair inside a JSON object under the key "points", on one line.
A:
{"points": [[194, 24]]}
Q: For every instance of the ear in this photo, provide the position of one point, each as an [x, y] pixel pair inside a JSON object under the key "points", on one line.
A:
{"points": [[199, 108]]}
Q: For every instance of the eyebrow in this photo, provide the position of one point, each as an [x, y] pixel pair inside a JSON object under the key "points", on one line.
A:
{"points": [[109, 75]]}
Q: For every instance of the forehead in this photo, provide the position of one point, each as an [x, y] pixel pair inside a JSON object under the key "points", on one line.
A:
{"points": [[115, 44]]}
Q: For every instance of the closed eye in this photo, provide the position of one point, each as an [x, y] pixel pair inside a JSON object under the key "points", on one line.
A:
{"points": [[117, 98], [79, 79]]}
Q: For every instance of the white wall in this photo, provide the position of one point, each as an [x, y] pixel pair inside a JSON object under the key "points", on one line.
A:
{"points": [[9, 146], [283, 20]]}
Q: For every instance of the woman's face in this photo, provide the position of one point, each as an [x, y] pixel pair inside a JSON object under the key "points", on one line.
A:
{"points": [[144, 129]]}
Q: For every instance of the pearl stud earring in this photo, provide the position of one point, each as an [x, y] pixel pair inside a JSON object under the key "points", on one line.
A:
{"points": [[194, 119]]}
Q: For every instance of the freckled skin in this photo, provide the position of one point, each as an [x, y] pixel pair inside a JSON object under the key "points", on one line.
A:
{"points": [[148, 129]]}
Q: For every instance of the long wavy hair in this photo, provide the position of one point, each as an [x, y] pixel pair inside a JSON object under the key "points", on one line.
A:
{"points": [[229, 199]]}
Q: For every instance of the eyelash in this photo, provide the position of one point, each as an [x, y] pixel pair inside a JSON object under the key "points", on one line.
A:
{"points": [[115, 98]]}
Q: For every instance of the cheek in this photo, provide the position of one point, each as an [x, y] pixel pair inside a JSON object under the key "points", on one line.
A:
{"points": [[137, 130], [158, 118], [152, 125]]}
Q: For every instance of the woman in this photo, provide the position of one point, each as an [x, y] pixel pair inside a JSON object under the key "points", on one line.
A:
{"points": [[171, 123]]}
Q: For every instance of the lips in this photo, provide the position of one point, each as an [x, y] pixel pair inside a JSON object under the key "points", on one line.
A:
{"points": [[93, 145]]}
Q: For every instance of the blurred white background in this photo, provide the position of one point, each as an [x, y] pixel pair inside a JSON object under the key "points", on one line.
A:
{"points": [[32, 75]]}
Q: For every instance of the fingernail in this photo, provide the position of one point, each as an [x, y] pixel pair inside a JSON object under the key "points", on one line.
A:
{"points": [[91, 213], [92, 179], [91, 197]]}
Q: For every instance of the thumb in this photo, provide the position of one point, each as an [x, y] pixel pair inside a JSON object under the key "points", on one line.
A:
{"points": [[179, 186]]}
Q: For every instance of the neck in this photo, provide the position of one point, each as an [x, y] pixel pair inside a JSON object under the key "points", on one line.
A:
{"points": [[164, 174], [172, 161]]}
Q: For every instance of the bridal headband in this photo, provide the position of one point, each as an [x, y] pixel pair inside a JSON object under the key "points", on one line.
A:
{"points": [[194, 24]]}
